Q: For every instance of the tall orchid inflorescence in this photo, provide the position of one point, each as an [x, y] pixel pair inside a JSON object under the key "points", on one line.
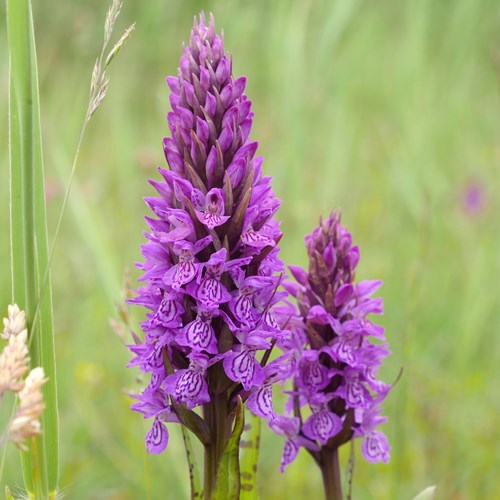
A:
{"points": [[211, 263], [335, 353]]}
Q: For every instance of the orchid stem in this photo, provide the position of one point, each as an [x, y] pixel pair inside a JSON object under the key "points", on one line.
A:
{"points": [[216, 418], [330, 471]]}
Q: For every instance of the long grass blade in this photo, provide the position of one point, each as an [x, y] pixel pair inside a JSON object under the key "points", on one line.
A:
{"points": [[29, 248]]}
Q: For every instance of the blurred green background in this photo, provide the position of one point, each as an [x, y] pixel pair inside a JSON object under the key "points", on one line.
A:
{"points": [[389, 110]]}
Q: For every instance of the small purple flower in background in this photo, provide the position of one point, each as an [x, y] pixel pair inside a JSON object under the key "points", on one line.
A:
{"points": [[211, 267], [473, 198], [334, 352]]}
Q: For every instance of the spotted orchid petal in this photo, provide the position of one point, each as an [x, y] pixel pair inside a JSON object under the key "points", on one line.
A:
{"points": [[322, 425], [157, 438], [375, 447], [199, 335], [260, 402], [243, 367]]}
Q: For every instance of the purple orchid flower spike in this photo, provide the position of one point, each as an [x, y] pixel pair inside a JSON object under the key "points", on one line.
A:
{"points": [[211, 266], [335, 351]]}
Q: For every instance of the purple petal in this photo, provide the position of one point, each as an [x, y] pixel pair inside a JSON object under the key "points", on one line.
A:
{"points": [[344, 294], [354, 257], [369, 306], [367, 287], [318, 315], [211, 292], [313, 376], [201, 244], [223, 70], [243, 310], [248, 150], [256, 239], [322, 426], [285, 426], [290, 451], [173, 84], [239, 86], [329, 256], [198, 199], [157, 438], [243, 367], [180, 274], [226, 138], [211, 220], [168, 313], [299, 274], [260, 402], [200, 336], [375, 447], [226, 95], [355, 393], [188, 386], [344, 351]]}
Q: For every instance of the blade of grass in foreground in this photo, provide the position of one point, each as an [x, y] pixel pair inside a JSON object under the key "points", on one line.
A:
{"points": [[29, 249]]}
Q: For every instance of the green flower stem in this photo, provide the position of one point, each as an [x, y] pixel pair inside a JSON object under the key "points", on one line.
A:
{"points": [[330, 471], [217, 419]]}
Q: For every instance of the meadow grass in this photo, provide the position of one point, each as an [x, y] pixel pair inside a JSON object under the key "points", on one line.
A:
{"points": [[30, 277], [387, 110]]}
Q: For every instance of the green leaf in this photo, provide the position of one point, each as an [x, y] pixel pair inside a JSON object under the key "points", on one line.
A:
{"points": [[227, 482], [29, 248], [249, 444], [194, 473]]}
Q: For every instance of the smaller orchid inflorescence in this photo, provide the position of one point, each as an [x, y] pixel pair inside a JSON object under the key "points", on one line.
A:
{"points": [[335, 351]]}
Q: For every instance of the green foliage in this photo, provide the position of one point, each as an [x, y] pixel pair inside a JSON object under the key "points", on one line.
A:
{"points": [[29, 249], [249, 457], [194, 472], [227, 483]]}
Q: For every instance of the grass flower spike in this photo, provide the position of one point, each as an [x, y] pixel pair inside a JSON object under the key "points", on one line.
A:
{"points": [[14, 360], [14, 363], [15, 323], [26, 423]]}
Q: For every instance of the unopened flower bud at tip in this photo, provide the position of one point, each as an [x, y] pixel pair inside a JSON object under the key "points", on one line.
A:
{"points": [[15, 322]]}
